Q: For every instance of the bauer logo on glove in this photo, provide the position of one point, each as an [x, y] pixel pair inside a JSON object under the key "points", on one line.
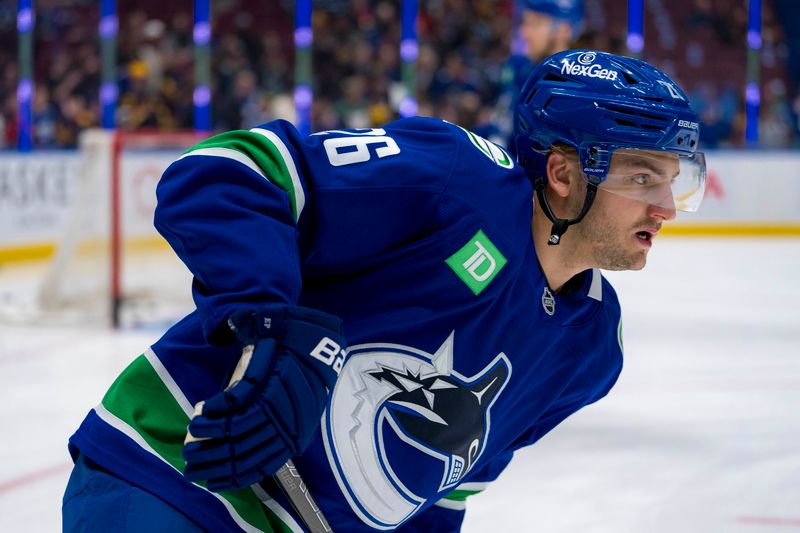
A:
{"points": [[330, 353], [273, 405]]}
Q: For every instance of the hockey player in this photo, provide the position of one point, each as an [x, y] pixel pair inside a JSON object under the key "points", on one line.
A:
{"points": [[546, 27], [474, 320], [549, 26]]}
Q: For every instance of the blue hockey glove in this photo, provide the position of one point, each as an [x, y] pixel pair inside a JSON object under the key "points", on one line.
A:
{"points": [[272, 408]]}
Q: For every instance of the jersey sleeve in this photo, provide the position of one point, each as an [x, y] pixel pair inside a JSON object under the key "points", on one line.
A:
{"points": [[229, 208], [245, 210]]}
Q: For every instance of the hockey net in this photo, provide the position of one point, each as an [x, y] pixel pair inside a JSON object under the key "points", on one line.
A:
{"points": [[110, 266]]}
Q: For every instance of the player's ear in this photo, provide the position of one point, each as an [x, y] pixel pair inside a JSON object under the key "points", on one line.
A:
{"points": [[559, 174]]}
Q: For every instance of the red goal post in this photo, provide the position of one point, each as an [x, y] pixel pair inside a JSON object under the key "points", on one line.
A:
{"points": [[121, 140], [109, 259]]}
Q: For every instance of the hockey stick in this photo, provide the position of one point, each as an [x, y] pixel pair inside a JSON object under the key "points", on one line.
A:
{"points": [[287, 477]]}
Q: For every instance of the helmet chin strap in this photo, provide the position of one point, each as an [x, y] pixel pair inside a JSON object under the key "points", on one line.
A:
{"points": [[560, 225]]}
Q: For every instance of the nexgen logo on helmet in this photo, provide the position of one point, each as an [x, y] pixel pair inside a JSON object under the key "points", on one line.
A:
{"points": [[604, 105], [593, 71]]}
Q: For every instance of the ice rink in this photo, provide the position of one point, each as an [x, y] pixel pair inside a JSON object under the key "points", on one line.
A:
{"points": [[701, 433]]}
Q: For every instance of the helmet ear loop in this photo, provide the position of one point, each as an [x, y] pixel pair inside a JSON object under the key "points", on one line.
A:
{"points": [[560, 225]]}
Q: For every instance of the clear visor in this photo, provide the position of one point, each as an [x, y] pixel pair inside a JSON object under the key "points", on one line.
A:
{"points": [[664, 179]]}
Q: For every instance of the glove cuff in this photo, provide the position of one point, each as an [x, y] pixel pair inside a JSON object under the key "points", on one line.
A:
{"points": [[273, 321], [251, 325]]}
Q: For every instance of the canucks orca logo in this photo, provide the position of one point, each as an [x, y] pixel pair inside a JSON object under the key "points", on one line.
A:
{"points": [[416, 400], [444, 414]]}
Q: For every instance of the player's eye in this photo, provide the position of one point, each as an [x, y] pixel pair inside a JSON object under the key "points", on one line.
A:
{"points": [[638, 179]]}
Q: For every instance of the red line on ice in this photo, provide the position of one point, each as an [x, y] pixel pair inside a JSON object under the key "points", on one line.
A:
{"points": [[33, 477]]}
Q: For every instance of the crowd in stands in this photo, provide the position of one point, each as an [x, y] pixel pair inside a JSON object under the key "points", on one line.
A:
{"points": [[357, 67]]}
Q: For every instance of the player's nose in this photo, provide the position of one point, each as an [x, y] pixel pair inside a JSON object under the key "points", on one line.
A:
{"points": [[664, 212]]}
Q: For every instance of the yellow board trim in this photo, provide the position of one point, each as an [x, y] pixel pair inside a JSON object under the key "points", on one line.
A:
{"points": [[732, 230], [31, 252], [43, 251]]}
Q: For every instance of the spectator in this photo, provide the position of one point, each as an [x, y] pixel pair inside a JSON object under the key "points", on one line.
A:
{"points": [[44, 118], [356, 65]]}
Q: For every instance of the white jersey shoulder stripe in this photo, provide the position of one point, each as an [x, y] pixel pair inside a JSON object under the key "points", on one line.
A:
{"points": [[473, 486], [227, 153], [173, 388], [183, 402], [239, 157], [453, 505]]}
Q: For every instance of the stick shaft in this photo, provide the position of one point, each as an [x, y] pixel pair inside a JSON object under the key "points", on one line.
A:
{"points": [[288, 479]]}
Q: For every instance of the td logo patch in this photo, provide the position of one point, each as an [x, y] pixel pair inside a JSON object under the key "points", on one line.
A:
{"points": [[477, 262]]}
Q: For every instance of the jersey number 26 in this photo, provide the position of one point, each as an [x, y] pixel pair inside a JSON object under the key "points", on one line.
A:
{"points": [[355, 147]]}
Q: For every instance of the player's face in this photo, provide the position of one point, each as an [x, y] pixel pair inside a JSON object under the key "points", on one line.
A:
{"points": [[618, 231], [535, 29]]}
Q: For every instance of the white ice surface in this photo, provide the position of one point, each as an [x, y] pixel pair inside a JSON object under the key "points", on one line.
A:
{"points": [[701, 433]]}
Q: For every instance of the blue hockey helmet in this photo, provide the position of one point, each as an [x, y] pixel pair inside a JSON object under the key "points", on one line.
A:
{"points": [[569, 11], [604, 104]]}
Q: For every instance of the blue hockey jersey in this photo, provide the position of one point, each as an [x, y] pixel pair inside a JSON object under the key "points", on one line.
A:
{"points": [[418, 235]]}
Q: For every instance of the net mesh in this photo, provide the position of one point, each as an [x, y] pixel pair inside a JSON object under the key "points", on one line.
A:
{"points": [[150, 286]]}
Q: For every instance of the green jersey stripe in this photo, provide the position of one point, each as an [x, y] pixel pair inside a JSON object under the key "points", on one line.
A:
{"points": [[140, 399], [168, 382], [262, 150], [279, 519], [157, 423], [299, 195], [460, 495], [456, 500], [115, 422]]}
